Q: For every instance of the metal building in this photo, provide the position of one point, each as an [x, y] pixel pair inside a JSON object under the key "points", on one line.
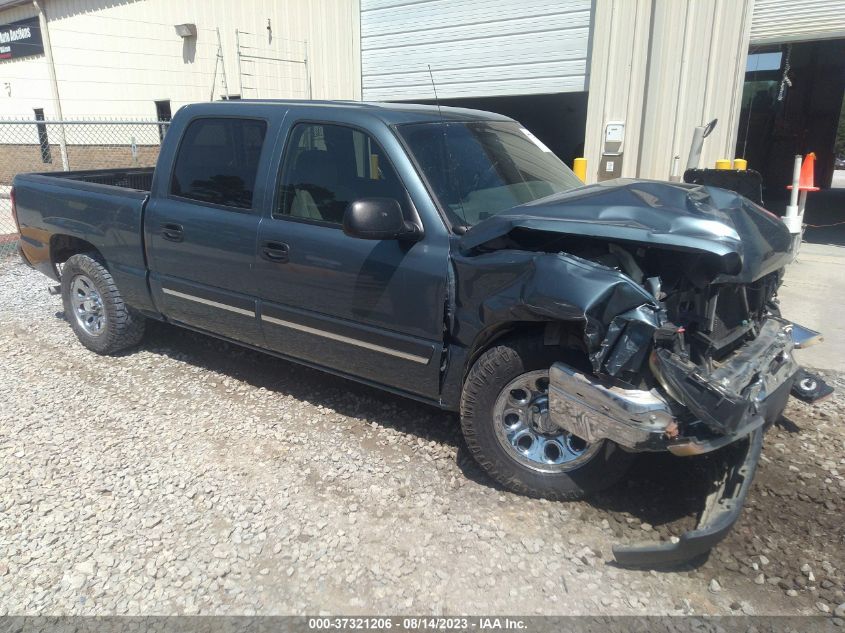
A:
{"points": [[131, 59], [622, 82]]}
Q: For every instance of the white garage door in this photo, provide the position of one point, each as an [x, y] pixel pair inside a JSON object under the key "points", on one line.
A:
{"points": [[476, 48], [797, 20]]}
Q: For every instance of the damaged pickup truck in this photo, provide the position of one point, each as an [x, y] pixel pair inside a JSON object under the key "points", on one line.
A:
{"points": [[449, 256]]}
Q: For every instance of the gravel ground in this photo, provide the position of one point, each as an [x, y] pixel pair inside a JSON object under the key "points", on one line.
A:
{"points": [[191, 476]]}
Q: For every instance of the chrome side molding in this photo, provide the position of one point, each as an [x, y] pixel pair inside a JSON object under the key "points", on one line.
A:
{"points": [[208, 302], [415, 358]]}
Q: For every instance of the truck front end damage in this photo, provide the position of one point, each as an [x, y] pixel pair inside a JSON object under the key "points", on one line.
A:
{"points": [[692, 411], [686, 346], [732, 405]]}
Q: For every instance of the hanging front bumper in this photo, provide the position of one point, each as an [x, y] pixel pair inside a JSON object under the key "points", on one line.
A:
{"points": [[737, 398], [730, 409], [721, 511]]}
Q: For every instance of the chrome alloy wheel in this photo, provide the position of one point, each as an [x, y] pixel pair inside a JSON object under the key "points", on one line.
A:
{"points": [[525, 431], [87, 305]]}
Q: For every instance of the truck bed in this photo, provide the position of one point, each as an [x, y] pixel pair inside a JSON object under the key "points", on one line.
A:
{"points": [[138, 178], [98, 210]]}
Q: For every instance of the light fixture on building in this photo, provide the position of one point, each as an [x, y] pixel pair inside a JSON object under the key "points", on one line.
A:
{"points": [[186, 30]]}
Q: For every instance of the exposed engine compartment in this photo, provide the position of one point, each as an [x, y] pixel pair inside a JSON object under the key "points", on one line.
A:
{"points": [[699, 344], [708, 320], [668, 284], [696, 317]]}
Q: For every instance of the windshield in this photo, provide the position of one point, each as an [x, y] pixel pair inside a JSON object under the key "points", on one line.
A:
{"points": [[481, 168]]}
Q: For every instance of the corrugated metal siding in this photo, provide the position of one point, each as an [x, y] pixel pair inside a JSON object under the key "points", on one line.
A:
{"points": [[702, 87], [663, 87], [477, 48], [617, 78], [115, 58], [796, 20]]}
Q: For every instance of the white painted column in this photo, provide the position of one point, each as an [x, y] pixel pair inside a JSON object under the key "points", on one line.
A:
{"points": [[54, 84]]}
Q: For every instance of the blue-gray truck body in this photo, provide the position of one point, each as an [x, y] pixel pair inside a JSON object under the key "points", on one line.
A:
{"points": [[667, 289]]}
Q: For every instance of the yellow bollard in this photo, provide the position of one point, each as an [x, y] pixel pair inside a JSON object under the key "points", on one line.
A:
{"points": [[723, 163], [740, 163], [579, 166]]}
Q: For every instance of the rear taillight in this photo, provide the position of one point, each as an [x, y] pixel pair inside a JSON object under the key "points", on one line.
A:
{"points": [[14, 208]]}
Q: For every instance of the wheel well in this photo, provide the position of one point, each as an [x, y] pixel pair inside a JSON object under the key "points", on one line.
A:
{"points": [[568, 334], [63, 247]]}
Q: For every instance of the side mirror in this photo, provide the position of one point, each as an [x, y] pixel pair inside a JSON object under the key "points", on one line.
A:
{"points": [[378, 219]]}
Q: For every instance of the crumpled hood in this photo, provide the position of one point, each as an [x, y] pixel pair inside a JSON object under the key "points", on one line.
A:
{"points": [[748, 241]]}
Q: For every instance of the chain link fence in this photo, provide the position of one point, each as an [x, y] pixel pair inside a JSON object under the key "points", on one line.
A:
{"points": [[44, 146]]}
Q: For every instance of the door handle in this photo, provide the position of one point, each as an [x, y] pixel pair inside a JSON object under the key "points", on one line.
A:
{"points": [[172, 232], [275, 252]]}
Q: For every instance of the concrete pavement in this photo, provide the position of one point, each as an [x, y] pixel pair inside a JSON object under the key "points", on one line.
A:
{"points": [[813, 294]]}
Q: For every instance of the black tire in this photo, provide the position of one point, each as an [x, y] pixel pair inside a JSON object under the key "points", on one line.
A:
{"points": [[491, 373], [120, 327]]}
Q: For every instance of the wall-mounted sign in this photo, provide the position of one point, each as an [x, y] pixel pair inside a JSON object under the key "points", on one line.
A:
{"points": [[21, 39]]}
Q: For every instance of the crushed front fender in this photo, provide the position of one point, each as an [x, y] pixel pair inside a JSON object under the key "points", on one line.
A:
{"points": [[511, 285]]}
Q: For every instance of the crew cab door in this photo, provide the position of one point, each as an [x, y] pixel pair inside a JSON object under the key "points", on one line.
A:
{"points": [[373, 309], [202, 227]]}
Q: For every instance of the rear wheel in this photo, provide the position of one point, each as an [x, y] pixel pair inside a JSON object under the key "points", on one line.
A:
{"points": [[95, 308], [506, 424]]}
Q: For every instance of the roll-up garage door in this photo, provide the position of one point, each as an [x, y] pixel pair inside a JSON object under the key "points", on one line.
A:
{"points": [[797, 20], [476, 48]]}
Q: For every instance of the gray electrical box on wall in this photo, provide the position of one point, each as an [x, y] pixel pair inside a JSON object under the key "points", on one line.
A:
{"points": [[610, 165]]}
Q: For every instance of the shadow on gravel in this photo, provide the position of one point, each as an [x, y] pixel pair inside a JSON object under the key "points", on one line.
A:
{"points": [[788, 425], [315, 387], [661, 490]]}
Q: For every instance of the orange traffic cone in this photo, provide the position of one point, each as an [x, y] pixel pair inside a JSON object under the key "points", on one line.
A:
{"points": [[806, 182]]}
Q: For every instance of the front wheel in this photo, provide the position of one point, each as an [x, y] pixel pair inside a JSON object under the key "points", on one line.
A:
{"points": [[505, 421]]}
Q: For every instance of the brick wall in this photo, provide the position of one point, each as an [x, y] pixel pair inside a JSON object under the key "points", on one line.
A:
{"points": [[16, 159]]}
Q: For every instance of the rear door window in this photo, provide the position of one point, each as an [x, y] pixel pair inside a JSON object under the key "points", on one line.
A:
{"points": [[217, 161]]}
